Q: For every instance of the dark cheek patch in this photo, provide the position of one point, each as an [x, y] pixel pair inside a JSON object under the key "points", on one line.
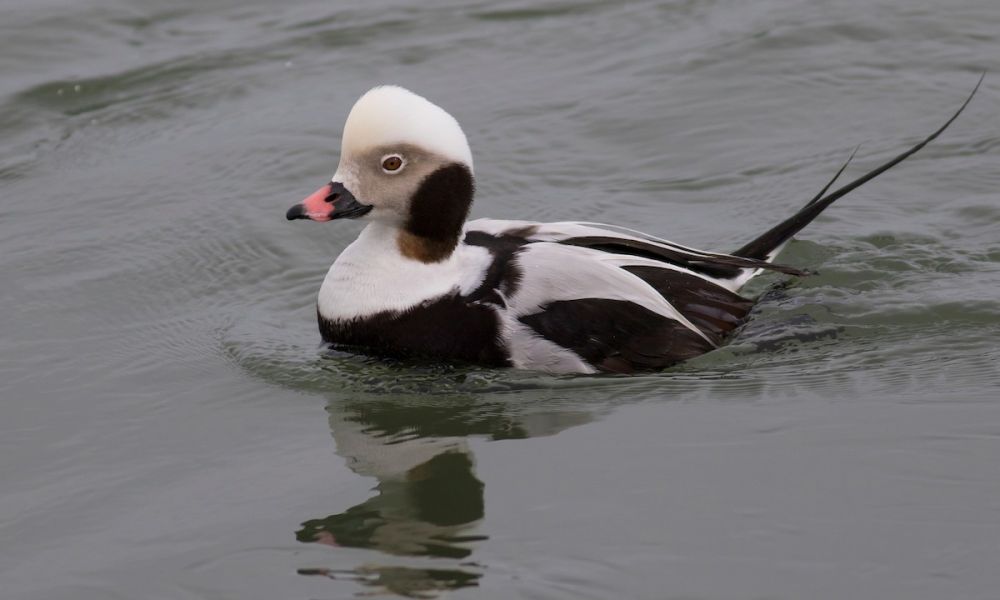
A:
{"points": [[440, 206]]}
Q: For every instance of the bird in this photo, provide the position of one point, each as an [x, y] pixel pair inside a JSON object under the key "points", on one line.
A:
{"points": [[422, 282]]}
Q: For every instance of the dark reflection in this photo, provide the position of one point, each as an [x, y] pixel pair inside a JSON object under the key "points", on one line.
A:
{"points": [[404, 581], [421, 513], [428, 499]]}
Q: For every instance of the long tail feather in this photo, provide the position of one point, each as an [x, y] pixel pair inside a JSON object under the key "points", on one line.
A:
{"points": [[764, 245], [836, 176]]}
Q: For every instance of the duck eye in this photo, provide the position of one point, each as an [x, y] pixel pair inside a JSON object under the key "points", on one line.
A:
{"points": [[392, 163]]}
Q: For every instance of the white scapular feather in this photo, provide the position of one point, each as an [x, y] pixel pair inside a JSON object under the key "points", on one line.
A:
{"points": [[554, 272]]}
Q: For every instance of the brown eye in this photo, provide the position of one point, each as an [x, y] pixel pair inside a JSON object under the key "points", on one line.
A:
{"points": [[392, 163]]}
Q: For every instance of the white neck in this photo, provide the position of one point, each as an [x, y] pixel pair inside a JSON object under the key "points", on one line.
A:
{"points": [[372, 275]]}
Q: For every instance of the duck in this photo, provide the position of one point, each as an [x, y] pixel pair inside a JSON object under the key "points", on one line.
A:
{"points": [[421, 281]]}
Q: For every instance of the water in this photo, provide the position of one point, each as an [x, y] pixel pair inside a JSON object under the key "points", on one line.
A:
{"points": [[170, 429]]}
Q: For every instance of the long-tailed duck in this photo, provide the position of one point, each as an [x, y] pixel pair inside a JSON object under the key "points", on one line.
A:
{"points": [[567, 297]]}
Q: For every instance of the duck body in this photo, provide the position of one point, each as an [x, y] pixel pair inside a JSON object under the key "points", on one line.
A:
{"points": [[422, 282], [556, 297]]}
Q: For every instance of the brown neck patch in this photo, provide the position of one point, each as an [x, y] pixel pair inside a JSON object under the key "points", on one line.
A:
{"points": [[437, 214], [424, 249]]}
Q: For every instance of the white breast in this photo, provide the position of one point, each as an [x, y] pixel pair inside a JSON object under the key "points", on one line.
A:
{"points": [[372, 276]]}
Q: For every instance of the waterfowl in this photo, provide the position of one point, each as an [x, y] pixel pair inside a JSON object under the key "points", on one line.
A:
{"points": [[569, 297]]}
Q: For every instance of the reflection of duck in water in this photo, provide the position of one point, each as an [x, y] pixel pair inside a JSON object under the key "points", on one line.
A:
{"points": [[429, 499]]}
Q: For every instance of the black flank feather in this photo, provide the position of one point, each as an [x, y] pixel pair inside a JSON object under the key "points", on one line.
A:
{"points": [[617, 336], [713, 309]]}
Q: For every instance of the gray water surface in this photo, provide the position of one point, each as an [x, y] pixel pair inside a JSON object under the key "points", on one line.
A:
{"points": [[171, 429]]}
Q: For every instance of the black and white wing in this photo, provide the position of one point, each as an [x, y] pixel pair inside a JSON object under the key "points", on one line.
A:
{"points": [[582, 298]]}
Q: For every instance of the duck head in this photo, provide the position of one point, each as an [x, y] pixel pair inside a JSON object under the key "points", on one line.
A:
{"points": [[404, 162]]}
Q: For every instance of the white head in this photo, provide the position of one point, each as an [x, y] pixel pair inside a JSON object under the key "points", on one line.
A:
{"points": [[389, 115], [403, 161]]}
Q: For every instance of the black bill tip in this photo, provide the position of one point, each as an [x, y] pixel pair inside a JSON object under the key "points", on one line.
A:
{"points": [[296, 212]]}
